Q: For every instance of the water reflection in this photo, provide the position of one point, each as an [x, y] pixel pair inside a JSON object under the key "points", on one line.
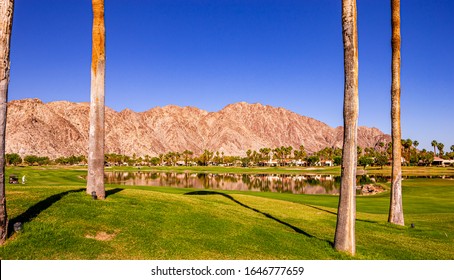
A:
{"points": [[297, 184], [283, 183]]}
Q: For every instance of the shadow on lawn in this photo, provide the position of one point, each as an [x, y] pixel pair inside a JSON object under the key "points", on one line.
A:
{"points": [[334, 213], [113, 191], [296, 229], [39, 207], [36, 209]]}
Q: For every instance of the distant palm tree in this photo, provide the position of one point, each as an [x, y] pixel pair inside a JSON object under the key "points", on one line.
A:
{"points": [[161, 159], [6, 25], [415, 144], [452, 148], [95, 178], [277, 153], [434, 144], [344, 238], [440, 147], [396, 212], [406, 145], [248, 154], [187, 154], [265, 153], [217, 157], [302, 152], [379, 144], [359, 151], [206, 157], [288, 151]]}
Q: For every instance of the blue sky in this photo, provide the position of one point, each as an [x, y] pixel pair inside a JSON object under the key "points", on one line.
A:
{"points": [[211, 53]]}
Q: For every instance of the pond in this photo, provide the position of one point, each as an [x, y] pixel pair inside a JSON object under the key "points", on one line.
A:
{"points": [[283, 183]]}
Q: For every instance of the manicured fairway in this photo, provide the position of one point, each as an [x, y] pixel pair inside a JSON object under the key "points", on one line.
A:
{"points": [[62, 222]]}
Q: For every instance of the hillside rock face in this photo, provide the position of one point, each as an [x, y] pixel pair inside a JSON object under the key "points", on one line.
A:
{"points": [[61, 129]]}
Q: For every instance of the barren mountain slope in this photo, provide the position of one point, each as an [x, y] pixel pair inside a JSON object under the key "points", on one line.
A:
{"points": [[61, 129]]}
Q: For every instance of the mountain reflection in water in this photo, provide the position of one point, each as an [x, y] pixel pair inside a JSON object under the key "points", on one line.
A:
{"points": [[283, 183], [296, 184]]}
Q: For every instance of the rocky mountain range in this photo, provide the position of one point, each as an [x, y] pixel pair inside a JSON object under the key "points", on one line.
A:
{"points": [[61, 129]]}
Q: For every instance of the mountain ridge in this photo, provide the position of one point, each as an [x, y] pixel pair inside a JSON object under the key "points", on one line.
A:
{"points": [[60, 128]]}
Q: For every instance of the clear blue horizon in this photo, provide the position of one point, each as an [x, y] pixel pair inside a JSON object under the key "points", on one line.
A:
{"points": [[209, 54]]}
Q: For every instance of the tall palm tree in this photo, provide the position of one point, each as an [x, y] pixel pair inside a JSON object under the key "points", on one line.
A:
{"points": [[396, 212], [6, 25], [344, 239], [434, 144], [95, 178]]}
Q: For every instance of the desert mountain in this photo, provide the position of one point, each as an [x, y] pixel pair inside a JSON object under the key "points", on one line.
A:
{"points": [[61, 129]]}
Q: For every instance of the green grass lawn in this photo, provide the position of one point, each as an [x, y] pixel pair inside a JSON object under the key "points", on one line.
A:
{"points": [[62, 222]]}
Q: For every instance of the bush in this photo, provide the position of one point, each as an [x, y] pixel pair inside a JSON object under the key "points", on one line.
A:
{"points": [[35, 160], [381, 160], [312, 160], [13, 159], [337, 160], [365, 161], [72, 160]]}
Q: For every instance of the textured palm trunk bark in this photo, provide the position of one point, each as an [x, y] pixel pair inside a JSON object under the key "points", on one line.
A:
{"points": [[344, 239], [95, 178], [396, 212], [6, 24]]}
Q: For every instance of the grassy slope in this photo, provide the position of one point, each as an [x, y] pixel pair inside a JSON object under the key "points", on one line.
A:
{"points": [[61, 222]]}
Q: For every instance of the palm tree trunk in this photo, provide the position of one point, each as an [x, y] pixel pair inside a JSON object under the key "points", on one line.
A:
{"points": [[344, 239], [6, 24], [95, 178], [396, 212]]}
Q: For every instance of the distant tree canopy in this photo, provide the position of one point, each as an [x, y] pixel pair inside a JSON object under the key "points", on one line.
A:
{"points": [[13, 159], [337, 160], [71, 160], [364, 161], [312, 160], [381, 160], [378, 155], [36, 160]]}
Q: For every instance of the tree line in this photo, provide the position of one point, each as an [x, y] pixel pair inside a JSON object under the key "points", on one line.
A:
{"points": [[378, 155]]}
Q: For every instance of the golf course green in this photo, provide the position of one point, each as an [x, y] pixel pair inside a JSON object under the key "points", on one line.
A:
{"points": [[60, 221]]}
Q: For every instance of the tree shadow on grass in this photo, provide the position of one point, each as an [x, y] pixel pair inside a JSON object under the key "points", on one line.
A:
{"points": [[37, 209], [269, 216], [334, 213], [113, 191]]}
